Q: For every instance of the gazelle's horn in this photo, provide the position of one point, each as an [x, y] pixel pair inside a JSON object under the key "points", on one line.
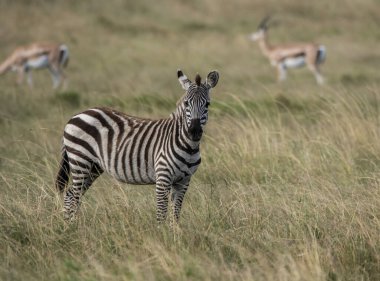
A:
{"points": [[264, 23]]}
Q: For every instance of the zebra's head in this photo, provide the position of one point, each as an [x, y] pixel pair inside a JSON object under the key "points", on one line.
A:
{"points": [[196, 102]]}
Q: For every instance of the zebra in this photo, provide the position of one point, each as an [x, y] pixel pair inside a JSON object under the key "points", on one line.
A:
{"points": [[134, 150]]}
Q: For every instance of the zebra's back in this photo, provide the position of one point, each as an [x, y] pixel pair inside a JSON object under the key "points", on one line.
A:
{"points": [[122, 145]]}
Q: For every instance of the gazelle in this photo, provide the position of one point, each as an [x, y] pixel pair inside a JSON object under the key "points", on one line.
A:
{"points": [[36, 56], [290, 56]]}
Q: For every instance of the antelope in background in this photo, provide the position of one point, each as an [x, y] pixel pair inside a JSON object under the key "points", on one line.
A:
{"points": [[54, 57], [290, 56]]}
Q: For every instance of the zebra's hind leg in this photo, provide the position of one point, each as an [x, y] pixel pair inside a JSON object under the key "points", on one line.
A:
{"points": [[82, 180]]}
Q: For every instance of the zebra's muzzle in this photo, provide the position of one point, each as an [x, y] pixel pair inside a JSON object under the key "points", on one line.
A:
{"points": [[195, 130]]}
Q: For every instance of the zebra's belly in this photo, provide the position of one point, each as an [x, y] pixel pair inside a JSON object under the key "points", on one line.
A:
{"points": [[39, 62], [133, 174], [294, 62], [150, 177], [134, 181]]}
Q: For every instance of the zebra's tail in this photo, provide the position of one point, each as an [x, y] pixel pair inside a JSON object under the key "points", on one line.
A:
{"points": [[63, 173], [63, 55]]}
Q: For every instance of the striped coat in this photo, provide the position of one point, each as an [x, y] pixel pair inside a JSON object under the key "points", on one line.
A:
{"points": [[164, 152]]}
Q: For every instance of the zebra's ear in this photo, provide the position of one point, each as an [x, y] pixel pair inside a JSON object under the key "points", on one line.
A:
{"points": [[183, 80], [212, 79]]}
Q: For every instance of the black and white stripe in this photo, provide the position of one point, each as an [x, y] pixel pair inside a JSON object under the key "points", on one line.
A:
{"points": [[138, 151]]}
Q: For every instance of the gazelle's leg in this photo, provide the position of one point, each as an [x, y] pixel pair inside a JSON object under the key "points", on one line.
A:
{"points": [[318, 76], [311, 61], [29, 78], [63, 79], [281, 71], [20, 75], [55, 75]]}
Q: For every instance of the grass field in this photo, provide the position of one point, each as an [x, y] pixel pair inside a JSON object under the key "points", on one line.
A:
{"points": [[288, 188]]}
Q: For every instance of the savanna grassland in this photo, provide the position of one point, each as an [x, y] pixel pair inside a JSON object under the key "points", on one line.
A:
{"points": [[288, 188]]}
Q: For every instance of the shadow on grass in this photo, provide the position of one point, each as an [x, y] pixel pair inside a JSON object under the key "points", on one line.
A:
{"points": [[69, 98]]}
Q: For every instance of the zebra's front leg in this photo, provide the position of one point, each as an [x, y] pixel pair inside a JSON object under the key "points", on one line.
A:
{"points": [[162, 196], [178, 193]]}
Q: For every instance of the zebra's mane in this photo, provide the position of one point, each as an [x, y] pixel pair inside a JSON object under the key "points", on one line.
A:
{"points": [[179, 107]]}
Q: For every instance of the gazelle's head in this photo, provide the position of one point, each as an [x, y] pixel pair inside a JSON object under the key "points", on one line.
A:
{"points": [[196, 102], [261, 30]]}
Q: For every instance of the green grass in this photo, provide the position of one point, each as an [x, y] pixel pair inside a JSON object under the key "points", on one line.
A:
{"points": [[288, 188]]}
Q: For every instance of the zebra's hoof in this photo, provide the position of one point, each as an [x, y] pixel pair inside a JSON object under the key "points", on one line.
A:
{"points": [[69, 217]]}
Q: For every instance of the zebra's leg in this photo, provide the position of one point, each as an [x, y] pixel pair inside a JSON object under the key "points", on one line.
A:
{"points": [[162, 196], [82, 180], [178, 193]]}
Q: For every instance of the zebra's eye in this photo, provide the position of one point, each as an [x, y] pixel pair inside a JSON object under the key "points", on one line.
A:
{"points": [[186, 103]]}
